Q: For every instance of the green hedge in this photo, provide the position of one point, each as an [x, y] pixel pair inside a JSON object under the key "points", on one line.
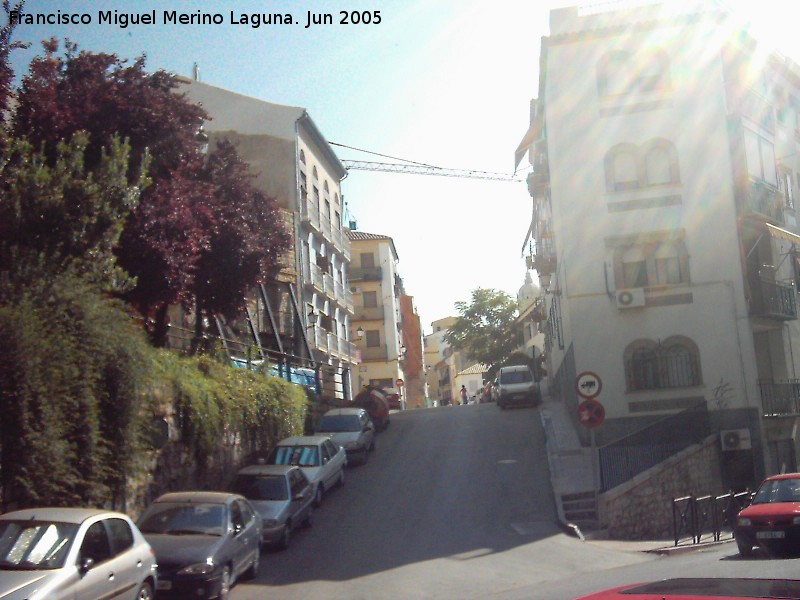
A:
{"points": [[79, 387]]}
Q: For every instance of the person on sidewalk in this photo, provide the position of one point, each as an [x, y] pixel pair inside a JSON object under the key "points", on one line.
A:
{"points": [[464, 396]]}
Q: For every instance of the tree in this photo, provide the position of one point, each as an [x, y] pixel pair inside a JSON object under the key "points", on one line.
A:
{"points": [[485, 327], [6, 46], [246, 241], [183, 216]]}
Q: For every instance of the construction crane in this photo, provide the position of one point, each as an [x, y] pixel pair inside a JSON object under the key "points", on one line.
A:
{"points": [[416, 168]]}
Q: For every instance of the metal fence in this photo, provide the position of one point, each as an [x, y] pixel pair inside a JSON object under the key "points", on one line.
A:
{"points": [[625, 458], [706, 518]]}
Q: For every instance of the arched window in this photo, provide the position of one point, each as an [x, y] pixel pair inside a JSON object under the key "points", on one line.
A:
{"points": [[315, 174], [302, 157], [622, 168], [661, 163], [653, 365]]}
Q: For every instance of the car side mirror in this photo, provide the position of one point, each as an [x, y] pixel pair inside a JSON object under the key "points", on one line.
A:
{"points": [[86, 565]]}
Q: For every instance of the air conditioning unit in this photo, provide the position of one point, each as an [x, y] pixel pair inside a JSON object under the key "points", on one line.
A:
{"points": [[631, 298], [735, 439], [355, 289]]}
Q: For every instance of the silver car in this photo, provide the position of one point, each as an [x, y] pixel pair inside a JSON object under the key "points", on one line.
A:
{"points": [[60, 553], [321, 460], [282, 495], [351, 428]]}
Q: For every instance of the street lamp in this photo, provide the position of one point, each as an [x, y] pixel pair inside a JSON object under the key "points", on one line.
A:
{"points": [[360, 332], [313, 317]]}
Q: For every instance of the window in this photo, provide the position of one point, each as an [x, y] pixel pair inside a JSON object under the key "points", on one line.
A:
{"points": [[620, 72], [95, 544], [373, 338], [630, 167], [338, 219], [302, 157], [121, 535], [788, 189], [367, 260], [370, 299], [315, 197], [760, 157], [653, 365], [663, 261]]}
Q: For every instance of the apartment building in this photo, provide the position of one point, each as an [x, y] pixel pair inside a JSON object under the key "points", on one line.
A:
{"points": [[304, 315], [665, 148], [377, 323]]}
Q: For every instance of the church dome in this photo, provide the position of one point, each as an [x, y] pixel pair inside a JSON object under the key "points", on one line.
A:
{"points": [[528, 292]]}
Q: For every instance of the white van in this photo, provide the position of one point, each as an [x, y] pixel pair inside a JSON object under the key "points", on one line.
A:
{"points": [[516, 385]]}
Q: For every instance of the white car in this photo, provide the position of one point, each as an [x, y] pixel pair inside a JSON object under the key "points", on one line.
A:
{"points": [[60, 553], [321, 460], [351, 428]]}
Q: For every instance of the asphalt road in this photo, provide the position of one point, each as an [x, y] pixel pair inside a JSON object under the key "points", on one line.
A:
{"points": [[454, 503]]}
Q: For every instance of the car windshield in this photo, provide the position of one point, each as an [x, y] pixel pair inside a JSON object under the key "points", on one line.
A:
{"points": [[176, 518], [515, 377], [261, 487], [302, 456], [778, 490], [29, 544], [336, 423]]}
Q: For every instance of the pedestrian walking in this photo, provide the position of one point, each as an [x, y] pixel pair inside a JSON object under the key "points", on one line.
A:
{"points": [[464, 395]]}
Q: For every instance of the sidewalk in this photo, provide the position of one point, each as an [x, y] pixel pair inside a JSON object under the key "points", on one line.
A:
{"points": [[571, 473]]}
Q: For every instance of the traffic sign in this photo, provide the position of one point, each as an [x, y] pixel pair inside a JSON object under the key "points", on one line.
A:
{"points": [[588, 384], [591, 413]]}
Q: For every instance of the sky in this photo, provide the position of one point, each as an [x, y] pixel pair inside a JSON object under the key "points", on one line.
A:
{"points": [[442, 82]]}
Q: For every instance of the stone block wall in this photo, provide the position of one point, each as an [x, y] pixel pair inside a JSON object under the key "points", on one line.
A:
{"points": [[641, 509]]}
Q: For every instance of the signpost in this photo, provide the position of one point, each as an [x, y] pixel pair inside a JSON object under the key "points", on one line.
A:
{"points": [[591, 414]]}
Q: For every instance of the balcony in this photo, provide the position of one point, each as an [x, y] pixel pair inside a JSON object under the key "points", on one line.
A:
{"points": [[309, 214], [545, 264], [314, 277], [764, 199], [779, 399], [349, 302], [375, 353], [369, 313], [538, 182], [366, 274], [774, 300]]}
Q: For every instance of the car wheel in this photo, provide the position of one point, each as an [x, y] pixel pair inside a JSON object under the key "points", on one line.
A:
{"points": [[145, 592], [318, 495], [341, 477], [225, 583], [252, 572], [308, 522], [745, 547], [286, 538]]}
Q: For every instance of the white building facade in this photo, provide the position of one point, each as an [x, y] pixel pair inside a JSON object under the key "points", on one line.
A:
{"points": [[665, 156]]}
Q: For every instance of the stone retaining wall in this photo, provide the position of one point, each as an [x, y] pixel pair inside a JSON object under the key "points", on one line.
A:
{"points": [[641, 509]]}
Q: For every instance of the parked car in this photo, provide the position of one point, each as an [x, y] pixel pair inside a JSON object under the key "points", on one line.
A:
{"points": [[374, 401], [702, 589], [321, 460], [282, 495], [772, 520], [204, 542], [486, 392], [60, 553], [351, 428], [515, 385]]}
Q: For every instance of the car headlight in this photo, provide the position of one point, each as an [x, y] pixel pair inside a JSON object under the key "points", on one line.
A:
{"points": [[203, 568], [271, 523], [743, 522]]}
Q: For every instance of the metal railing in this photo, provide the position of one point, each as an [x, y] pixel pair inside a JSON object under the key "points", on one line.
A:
{"points": [[625, 458], [780, 398], [711, 516], [366, 274], [775, 300]]}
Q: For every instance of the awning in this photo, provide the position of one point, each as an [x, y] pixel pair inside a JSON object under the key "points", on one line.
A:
{"points": [[533, 133], [777, 232]]}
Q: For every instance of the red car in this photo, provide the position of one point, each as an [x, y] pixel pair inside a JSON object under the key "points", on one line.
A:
{"points": [[702, 589], [772, 521]]}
